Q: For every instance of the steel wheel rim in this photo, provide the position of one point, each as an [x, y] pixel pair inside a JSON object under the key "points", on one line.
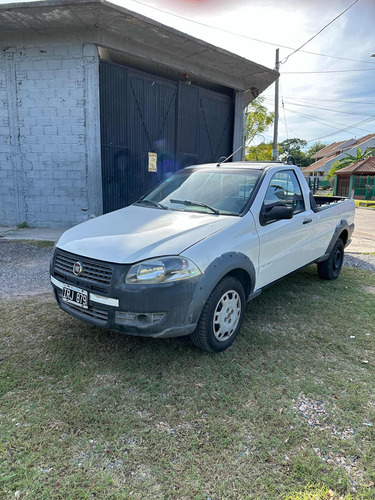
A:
{"points": [[226, 315], [337, 260]]}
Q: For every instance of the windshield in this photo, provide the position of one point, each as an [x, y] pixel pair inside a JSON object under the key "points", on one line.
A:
{"points": [[224, 192]]}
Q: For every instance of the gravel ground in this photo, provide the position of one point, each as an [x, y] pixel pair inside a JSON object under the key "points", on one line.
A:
{"points": [[359, 260], [24, 268]]}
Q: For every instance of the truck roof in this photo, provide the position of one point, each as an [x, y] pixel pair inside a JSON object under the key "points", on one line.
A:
{"points": [[254, 165]]}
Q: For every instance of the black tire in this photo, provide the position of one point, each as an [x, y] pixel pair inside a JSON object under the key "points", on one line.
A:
{"points": [[217, 327], [330, 269]]}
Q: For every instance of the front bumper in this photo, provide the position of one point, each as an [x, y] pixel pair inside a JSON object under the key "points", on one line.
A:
{"points": [[161, 310]]}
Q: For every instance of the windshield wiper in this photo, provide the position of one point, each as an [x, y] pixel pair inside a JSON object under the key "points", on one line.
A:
{"points": [[190, 203], [153, 203]]}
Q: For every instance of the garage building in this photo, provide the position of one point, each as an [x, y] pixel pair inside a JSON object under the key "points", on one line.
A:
{"points": [[98, 104]]}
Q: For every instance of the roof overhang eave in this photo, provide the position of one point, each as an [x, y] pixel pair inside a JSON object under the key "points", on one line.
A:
{"points": [[101, 16]]}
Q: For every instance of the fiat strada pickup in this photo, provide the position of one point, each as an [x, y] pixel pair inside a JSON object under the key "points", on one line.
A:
{"points": [[186, 257]]}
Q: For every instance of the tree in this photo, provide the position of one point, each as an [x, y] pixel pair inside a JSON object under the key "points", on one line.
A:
{"points": [[335, 166], [262, 151], [349, 160], [258, 119], [317, 146], [294, 147]]}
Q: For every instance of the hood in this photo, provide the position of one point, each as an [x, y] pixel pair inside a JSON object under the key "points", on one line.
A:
{"points": [[137, 233]]}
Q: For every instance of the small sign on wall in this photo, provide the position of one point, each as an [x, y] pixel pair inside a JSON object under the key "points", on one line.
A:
{"points": [[152, 162]]}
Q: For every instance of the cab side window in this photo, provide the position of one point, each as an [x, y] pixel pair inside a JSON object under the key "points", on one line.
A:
{"points": [[284, 191]]}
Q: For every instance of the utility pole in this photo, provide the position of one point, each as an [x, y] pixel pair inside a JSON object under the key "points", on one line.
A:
{"points": [[276, 122]]}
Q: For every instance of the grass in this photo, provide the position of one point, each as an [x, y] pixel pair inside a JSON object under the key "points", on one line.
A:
{"points": [[287, 413], [36, 243], [365, 203]]}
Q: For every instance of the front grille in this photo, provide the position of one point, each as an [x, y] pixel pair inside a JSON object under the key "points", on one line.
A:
{"points": [[99, 315], [96, 274]]}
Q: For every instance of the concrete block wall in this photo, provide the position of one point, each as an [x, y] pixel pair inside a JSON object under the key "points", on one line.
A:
{"points": [[8, 205], [43, 135]]}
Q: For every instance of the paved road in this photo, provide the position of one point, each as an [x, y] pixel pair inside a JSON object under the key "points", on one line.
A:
{"points": [[363, 240]]}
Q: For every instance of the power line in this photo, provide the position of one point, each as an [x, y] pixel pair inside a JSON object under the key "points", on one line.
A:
{"points": [[325, 109], [248, 37], [344, 129], [327, 121], [291, 130], [330, 71], [282, 103], [304, 98], [321, 122], [324, 27]]}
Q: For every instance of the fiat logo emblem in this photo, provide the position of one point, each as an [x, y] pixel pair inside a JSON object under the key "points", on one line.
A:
{"points": [[77, 269]]}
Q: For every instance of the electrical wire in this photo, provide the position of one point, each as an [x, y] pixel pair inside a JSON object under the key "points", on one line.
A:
{"points": [[330, 71], [247, 37], [321, 122], [304, 98], [318, 33], [326, 122], [282, 103], [344, 129], [326, 109]]}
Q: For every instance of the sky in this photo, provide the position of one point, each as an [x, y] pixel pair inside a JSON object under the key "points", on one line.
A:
{"points": [[290, 23], [321, 98]]}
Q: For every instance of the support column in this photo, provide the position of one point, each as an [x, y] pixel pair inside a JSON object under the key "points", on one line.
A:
{"points": [[92, 114], [335, 185], [351, 185], [11, 86], [238, 132], [275, 153]]}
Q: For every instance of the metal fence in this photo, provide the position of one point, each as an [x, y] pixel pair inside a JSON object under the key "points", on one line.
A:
{"points": [[364, 187]]}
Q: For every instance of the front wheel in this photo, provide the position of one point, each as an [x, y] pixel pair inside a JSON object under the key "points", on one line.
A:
{"points": [[330, 269], [221, 317]]}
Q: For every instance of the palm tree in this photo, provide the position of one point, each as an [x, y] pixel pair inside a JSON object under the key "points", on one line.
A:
{"points": [[349, 160]]}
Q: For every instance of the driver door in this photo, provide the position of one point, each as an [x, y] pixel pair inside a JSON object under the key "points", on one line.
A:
{"points": [[285, 245]]}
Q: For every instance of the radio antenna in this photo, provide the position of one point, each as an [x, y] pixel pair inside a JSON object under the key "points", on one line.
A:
{"points": [[225, 159]]}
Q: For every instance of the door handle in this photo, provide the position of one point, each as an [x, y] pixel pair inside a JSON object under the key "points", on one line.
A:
{"points": [[307, 221]]}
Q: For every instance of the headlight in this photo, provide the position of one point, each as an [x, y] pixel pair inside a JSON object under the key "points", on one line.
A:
{"points": [[162, 270]]}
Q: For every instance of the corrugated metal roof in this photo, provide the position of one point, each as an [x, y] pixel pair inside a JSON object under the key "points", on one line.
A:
{"points": [[362, 167]]}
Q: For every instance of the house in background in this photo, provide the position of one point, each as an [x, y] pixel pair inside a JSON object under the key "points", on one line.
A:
{"points": [[333, 149], [98, 104], [358, 178], [336, 151]]}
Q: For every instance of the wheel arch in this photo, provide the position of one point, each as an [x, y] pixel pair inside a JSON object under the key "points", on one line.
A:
{"points": [[344, 236], [244, 278], [234, 264], [344, 231]]}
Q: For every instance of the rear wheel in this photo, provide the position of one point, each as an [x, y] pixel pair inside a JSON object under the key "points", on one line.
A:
{"points": [[221, 317], [330, 269]]}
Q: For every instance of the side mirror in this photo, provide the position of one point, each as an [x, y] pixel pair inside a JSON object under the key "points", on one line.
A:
{"points": [[278, 213]]}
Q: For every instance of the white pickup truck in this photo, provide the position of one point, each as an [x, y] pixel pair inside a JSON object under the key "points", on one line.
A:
{"points": [[185, 258]]}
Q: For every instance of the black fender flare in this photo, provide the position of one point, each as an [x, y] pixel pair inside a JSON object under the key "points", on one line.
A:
{"points": [[218, 268], [343, 225]]}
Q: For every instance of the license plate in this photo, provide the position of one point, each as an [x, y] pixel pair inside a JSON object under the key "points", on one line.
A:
{"points": [[77, 296]]}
